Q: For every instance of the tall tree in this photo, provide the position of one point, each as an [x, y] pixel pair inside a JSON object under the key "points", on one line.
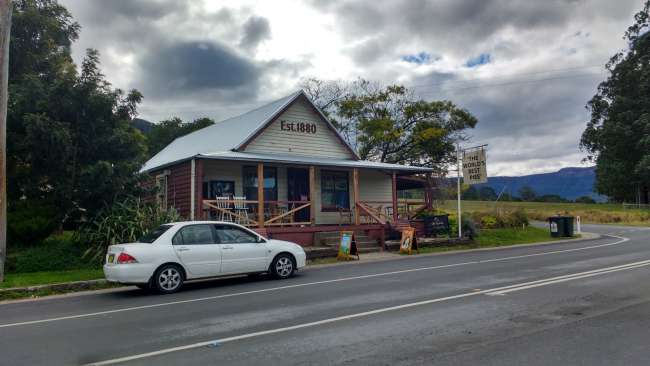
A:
{"points": [[327, 96], [617, 137], [395, 127], [163, 133], [70, 140]]}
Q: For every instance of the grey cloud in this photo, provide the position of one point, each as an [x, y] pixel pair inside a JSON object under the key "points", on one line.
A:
{"points": [[256, 30], [460, 27], [106, 11], [194, 67], [369, 51]]}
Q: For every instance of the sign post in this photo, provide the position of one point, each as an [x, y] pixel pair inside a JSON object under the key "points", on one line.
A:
{"points": [[460, 229], [474, 172]]}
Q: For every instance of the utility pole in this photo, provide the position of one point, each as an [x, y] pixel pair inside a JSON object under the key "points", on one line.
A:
{"points": [[5, 28], [460, 225]]}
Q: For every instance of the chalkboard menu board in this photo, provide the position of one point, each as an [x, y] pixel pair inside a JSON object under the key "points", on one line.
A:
{"points": [[347, 246]]}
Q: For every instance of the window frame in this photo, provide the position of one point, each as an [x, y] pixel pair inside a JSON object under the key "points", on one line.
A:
{"points": [[323, 175], [206, 187], [178, 233], [255, 187], [257, 238]]}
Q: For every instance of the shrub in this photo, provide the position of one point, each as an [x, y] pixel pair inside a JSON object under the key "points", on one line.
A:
{"points": [[123, 222], [29, 222], [489, 222], [501, 219], [469, 227], [56, 253]]}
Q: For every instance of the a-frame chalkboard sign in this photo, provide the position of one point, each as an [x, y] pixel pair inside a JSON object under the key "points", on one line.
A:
{"points": [[347, 246]]}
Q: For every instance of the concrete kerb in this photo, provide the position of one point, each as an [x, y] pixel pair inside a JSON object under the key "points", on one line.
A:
{"points": [[79, 286], [388, 255]]}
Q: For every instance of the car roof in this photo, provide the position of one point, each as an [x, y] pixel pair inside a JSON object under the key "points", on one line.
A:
{"points": [[201, 222]]}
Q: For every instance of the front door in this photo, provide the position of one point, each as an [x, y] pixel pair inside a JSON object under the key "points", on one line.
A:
{"points": [[241, 251], [197, 250], [298, 190]]}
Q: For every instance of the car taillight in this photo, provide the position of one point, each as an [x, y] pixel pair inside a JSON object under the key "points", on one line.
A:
{"points": [[124, 258]]}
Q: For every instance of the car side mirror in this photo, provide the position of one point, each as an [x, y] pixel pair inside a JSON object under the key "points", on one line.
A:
{"points": [[261, 240]]}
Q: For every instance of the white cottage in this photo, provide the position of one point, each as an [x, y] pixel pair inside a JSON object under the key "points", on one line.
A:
{"points": [[313, 181]]}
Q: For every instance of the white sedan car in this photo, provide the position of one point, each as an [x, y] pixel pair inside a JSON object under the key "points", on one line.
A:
{"points": [[167, 256]]}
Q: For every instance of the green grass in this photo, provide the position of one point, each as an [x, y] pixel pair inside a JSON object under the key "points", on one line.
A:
{"points": [[497, 238], [501, 237], [49, 277], [601, 213], [15, 295]]}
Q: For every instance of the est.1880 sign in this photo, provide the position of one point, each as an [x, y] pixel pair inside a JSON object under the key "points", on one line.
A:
{"points": [[302, 127]]}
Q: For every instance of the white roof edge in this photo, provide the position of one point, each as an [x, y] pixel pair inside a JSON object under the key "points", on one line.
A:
{"points": [[306, 160]]}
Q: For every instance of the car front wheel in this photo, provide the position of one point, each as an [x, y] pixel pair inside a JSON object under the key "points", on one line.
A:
{"points": [[283, 266], [168, 279]]}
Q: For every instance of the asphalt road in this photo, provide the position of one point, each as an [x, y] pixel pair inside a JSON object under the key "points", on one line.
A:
{"points": [[580, 303]]}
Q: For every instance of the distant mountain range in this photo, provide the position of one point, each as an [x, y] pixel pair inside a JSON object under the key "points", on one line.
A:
{"points": [[568, 183], [142, 124]]}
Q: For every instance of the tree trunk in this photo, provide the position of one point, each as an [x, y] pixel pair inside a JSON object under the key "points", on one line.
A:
{"points": [[5, 27]]}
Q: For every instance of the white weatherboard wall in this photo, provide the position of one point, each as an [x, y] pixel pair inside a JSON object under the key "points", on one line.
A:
{"points": [[323, 143], [375, 185]]}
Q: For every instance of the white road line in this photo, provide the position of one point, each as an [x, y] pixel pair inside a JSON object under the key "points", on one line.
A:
{"points": [[216, 297], [565, 278], [498, 290]]}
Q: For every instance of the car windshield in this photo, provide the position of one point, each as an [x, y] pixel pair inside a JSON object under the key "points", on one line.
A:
{"points": [[154, 234]]}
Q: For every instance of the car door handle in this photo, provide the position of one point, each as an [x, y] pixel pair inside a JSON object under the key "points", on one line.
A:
{"points": [[183, 249], [227, 247]]}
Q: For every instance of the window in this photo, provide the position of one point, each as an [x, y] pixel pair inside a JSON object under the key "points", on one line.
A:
{"points": [[154, 234], [335, 190], [218, 188], [227, 234], [161, 191], [194, 234], [270, 183]]}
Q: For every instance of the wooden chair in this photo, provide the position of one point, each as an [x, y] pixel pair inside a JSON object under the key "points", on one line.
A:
{"points": [[389, 213], [241, 209], [344, 214], [224, 204]]}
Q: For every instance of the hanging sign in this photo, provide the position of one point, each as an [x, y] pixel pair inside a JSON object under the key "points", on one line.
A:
{"points": [[408, 243], [347, 246], [474, 166]]}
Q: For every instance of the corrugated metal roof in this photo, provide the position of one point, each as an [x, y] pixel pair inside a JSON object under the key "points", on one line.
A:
{"points": [[311, 160], [221, 136], [221, 139]]}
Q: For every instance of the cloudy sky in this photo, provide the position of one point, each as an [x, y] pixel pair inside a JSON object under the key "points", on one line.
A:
{"points": [[525, 68]]}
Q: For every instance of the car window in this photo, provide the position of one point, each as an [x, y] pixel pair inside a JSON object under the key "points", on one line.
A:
{"points": [[194, 234], [154, 234], [227, 234]]}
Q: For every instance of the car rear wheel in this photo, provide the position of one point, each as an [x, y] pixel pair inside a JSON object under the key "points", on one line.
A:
{"points": [[282, 266], [168, 279]]}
